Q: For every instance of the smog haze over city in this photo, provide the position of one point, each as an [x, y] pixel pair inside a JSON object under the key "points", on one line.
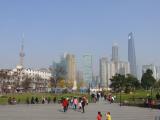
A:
{"points": [[53, 27]]}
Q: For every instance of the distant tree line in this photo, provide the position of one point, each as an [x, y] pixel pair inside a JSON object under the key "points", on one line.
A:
{"points": [[130, 83]]}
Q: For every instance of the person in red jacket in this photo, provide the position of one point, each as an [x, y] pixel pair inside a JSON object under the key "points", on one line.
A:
{"points": [[64, 104], [99, 116]]}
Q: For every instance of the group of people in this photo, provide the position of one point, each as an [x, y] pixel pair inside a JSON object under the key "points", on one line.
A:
{"points": [[43, 100], [12, 101], [149, 102], [108, 116], [109, 98], [74, 103], [32, 100], [68, 102], [96, 96]]}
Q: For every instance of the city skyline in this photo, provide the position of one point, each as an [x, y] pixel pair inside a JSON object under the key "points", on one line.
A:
{"points": [[52, 28]]}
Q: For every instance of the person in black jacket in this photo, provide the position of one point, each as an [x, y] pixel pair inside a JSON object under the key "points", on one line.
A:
{"points": [[83, 104]]}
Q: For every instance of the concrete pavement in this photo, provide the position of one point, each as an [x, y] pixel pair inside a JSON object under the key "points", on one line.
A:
{"points": [[54, 112]]}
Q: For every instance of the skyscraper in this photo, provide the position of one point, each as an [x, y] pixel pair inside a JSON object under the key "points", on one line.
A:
{"points": [[71, 67], [103, 72], [87, 69], [59, 69], [132, 55], [115, 52]]}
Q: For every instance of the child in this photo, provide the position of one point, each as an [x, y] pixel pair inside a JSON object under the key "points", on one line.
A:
{"points": [[108, 116], [99, 116], [79, 105]]}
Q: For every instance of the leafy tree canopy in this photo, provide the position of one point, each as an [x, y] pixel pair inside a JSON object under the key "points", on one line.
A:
{"points": [[126, 83], [147, 80]]}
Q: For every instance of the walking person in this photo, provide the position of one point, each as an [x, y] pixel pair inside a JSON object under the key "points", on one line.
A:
{"points": [[32, 100], [108, 116], [36, 100], [75, 102], [64, 104], [99, 116], [83, 104], [54, 100], [71, 102], [80, 105]]}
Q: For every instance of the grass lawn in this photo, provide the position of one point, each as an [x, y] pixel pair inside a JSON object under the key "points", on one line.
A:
{"points": [[137, 96]]}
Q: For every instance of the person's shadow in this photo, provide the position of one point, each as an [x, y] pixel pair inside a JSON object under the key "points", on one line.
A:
{"points": [[60, 110]]}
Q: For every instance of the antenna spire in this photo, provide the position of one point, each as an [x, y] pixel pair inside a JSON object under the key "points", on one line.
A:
{"points": [[22, 54]]}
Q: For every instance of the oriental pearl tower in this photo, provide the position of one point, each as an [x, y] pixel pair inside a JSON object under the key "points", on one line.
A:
{"points": [[20, 66]]}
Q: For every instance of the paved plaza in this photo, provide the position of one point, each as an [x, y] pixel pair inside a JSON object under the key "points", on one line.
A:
{"points": [[54, 112]]}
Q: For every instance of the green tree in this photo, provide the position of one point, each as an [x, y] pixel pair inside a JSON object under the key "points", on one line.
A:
{"points": [[126, 83], [147, 80], [118, 83], [132, 83]]}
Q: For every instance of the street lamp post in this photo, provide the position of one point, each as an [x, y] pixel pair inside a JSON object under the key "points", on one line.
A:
{"points": [[121, 86], [89, 88], [151, 92], [55, 86], [120, 97]]}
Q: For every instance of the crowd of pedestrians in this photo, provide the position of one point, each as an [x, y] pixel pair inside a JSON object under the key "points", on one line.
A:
{"points": [[36, 100], [75, 103], [95, 97], [68, 103]]}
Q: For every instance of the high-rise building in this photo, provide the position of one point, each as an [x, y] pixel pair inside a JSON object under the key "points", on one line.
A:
{"points": [[155, 69], [158, 72], [59, 69], [115, 52], [103, 72], [120, 67], [108, 69], [95, 81], [79, 76], [123, 68], [132, 55], [87, 69], [71, 67]]}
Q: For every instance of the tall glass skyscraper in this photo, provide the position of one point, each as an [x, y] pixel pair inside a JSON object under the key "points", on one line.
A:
{"points": [[132, 55], [87, 69]]}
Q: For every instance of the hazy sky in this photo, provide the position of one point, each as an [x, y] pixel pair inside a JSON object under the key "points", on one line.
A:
{"points": [[52, 27]]}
